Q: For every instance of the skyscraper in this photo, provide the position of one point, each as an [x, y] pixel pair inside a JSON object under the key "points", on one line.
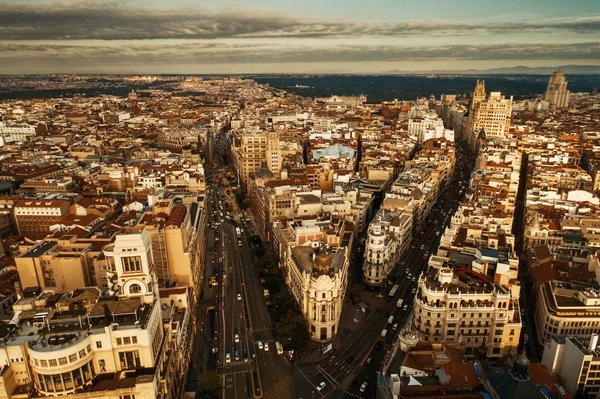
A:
{"points": [[492, 114], [557, 94]]}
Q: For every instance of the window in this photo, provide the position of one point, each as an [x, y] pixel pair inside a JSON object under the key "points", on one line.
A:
{"points": [[62, 361], [134, 340], [44, 363], [99, 344], [72, 358], [135, 289], [126, 341], [82, 353], [132, 264], [119, 341], [52, 362]]}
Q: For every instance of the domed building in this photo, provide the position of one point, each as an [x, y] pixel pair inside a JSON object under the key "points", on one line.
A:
{"points": [[317, 277]]}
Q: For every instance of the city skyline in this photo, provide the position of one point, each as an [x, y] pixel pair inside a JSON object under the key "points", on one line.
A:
{"points": [[313, 37]]}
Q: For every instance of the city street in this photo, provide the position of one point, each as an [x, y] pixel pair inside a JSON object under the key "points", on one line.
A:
{"points": [[349, 364], [243, 318]]}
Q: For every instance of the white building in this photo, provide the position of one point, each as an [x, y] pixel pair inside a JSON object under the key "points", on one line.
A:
{"points": [[16, 133], [317, 277], [576, 363]]}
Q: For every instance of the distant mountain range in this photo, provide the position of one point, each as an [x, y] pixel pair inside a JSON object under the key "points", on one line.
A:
{"points": [[516, 70]]}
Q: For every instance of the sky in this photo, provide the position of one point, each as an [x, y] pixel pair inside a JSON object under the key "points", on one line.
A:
{"points": [[301, 36]]}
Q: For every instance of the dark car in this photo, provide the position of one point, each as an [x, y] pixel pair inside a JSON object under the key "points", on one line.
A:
{"points": [[350, 359]]}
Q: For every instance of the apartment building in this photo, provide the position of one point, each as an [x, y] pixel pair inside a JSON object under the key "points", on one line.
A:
{"points": [[576, 363], [388, 237], [34, 217], [425, 127], [564, 308], [88, 343], [57, 264], [16, 132], [174, 229], [458, 306], [253, 148], [405, 209]]}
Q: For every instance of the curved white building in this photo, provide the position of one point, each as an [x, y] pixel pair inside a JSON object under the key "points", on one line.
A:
{"points": [[317, 278]]}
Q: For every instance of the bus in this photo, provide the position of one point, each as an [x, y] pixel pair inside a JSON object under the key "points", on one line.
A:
{"points": [[393, 290], [238, 233]]}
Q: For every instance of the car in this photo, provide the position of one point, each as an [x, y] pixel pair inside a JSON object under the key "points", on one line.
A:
{"points": [[363, 387], [407, 273], [395, 327], [405, 307], [227, 358], [239, 297], [413, 278], [266, 346], [236, 338], [236, 355], [321, 386], [414, 291], [386, 315], [422, 246], [369, 360], [230, 268], [350, 359]]}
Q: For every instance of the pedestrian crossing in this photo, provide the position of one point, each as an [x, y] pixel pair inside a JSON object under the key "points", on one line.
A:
{"points": [[232, 373]]}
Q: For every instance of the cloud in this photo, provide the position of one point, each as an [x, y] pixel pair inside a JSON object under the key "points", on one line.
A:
{"points": [[208, 52], [131, 20]]}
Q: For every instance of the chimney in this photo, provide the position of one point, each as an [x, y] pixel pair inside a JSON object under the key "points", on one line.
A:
{"points": [[593, 342]]}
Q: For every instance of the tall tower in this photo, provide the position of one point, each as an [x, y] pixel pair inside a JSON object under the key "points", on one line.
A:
{"points": [[492, 114], [557, 94], [273, 153], [478, 95]]}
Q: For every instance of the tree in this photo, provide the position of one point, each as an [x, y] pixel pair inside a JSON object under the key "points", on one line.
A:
{"points": [[272, 284], [292, 331], [210, 384], [255, 239], [282, 304]]}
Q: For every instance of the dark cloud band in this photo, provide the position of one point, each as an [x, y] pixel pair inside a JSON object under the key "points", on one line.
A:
{"points": [[114, 20]]}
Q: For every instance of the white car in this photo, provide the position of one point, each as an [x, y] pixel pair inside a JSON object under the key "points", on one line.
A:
{"points": [[227, 358], [236, 338], [405, 307], [239, 297], [260, 344], [363, 387], [414, 291], [321, 386], [266, 346]]}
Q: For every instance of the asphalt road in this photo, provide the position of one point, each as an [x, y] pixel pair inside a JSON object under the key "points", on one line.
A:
{"points": [[246, 315]]}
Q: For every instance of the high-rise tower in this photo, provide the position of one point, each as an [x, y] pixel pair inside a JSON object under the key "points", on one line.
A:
{"points": [[557, 94], [490, 114]]}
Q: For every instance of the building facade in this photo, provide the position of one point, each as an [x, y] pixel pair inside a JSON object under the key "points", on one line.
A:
{"points": [[461, 307], [317, 278], [557, 94]]}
